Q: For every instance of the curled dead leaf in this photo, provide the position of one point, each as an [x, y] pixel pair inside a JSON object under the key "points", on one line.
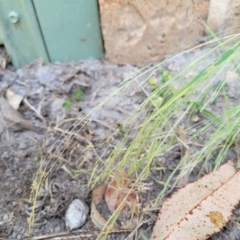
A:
{"points": [[97, 196], [114, 197], [200, 209], [10, 117], [13, 99], [98, 193], [118, 191], [97, 218]]}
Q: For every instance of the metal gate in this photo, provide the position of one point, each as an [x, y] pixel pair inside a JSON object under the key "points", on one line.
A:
{"points": [[55, 30]]}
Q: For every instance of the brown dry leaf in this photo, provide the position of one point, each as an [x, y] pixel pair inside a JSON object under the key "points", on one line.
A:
{"points": [[13, 99], [96, 217], [11, 117], [98, 193], [119, 190], [200, 209]]}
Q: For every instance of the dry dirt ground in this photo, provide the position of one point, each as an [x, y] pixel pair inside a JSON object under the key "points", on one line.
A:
{"points": [[60, 143]]}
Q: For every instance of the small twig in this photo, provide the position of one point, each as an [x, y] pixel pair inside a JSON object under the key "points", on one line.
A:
{"points": [[81, 83], [136, 229], [195, 144], [54, 235], [102, 123], [121, 109], [21, 83], [66, 120], [99, 158], [77, 136], [94, 95], [182, 138], [142, 88], [57, 236], [60, 158], [71, 75], [39, 90], [37, 111], [72, 151], [186, 147]]}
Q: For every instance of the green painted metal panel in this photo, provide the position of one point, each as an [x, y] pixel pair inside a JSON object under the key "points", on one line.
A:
{"points": [[70, 28], [1, 40], [22, 39]]}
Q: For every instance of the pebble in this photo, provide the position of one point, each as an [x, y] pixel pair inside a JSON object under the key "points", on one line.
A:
{"points": [[172, 67], [26, 234], [76, 214], [5, 155], [5, 217], [19, 191], [19, 237], [57, 229]]}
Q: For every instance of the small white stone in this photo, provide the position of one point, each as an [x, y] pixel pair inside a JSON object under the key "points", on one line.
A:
{"points": [[5, 217], [76, 214]]}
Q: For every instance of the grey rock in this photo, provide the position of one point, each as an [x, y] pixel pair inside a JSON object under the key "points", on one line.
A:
{"points": [[76, 214]]}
